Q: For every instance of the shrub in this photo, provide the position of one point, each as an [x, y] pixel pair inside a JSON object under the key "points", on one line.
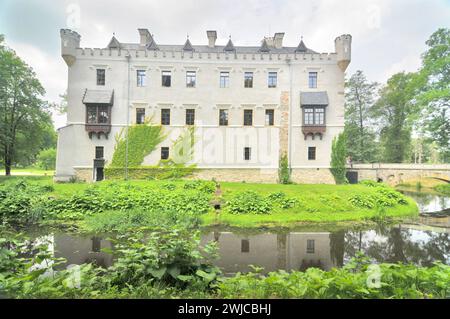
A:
{"points": [[248, 202], [284, 173], [150, 172], [202, 186], [338, 154]]}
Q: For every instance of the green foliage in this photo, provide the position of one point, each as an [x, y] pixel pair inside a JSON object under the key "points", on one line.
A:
{"points": [[284, 173], [25, 118], [248, 202], [397, 281], [444, 189], [173, 171], [382, 197], [281, 200], [46, 159], [142, 140], [338, 158], [203, 186], [183, 147], [359, 129]]}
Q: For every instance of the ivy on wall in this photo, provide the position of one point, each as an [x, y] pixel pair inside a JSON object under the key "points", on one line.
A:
{"points": [[142, 140]]}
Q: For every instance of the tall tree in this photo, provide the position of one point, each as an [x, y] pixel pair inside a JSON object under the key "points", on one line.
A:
{"points": [[433, 91], [395, 113], [23, 113], [359, 99]]}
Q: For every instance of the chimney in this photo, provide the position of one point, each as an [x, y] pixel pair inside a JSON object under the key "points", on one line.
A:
{"points": [[278, 40], [212, 37], [145, 37]]}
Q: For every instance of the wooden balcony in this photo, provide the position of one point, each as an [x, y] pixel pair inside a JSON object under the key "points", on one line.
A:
{"points": [[98, 129], [313, 130]]}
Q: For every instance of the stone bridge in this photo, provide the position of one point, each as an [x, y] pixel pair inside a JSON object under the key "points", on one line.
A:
{"points": [[394, 174]]}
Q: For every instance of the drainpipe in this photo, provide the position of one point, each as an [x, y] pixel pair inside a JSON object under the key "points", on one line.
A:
{"points": [[128, 57], [288, 61]]}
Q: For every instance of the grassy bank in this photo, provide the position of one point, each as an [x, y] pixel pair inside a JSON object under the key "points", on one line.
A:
{"points": [[111, 206]]}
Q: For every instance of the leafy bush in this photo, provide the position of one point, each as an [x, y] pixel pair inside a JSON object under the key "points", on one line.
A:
{"points": [[382, 197], [280, 200], [202, 186], [338, 154], [370, 183], [284, 173], [150, 172], [248, 202]]}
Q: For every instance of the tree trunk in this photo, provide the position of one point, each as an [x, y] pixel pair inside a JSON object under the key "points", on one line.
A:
{"points": [[7, 161]]}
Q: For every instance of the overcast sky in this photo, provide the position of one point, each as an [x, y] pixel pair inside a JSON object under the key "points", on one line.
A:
{"points": [[388, 35]]}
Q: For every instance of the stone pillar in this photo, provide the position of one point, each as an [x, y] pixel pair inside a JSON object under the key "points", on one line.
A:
{"points": [[284, 123]]}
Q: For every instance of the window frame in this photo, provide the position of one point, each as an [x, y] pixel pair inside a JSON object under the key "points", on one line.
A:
{"points": [[272, 81], [140, 111], [98, 150], [246, 122], [249, 84], [310, 114], [271, 119], [247, 153], [191, 117], [165, 116], [224, 79], [312, 80], [245, 245], [164, 76], [189, 76], [310, 246], [101, 77], [100, 111], [223, 121], [141, 76], [312, 153]]}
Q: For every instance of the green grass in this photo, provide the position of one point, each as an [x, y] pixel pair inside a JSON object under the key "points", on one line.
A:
{"points": [[443, 189], [321, 203]]}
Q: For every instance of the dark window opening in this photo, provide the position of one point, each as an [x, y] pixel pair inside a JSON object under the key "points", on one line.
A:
{"points": [[165, 116], [99, 152], [164, 153], [166, 78], [269, 117], [140, 116], [97, 114], [311, 153], [96, 244], [223, 117], [248, 79], [99, 174], [248, 117], [310, 243], [245, 246], [247, 153], [190, 116], [100, 76]]}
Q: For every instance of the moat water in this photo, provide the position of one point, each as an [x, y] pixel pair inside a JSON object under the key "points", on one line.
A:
{"points": [[421, 241]]}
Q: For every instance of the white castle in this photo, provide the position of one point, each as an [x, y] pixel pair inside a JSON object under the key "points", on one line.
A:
{"points": [[250, 105]]}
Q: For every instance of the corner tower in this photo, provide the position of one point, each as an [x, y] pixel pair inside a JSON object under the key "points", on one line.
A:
{"points": [[343, 48], [70, 41]]}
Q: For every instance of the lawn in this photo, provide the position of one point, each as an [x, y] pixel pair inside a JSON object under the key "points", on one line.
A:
{"points": [[313, 203]]}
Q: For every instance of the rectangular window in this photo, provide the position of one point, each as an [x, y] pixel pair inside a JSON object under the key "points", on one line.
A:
{"points": [[310, 246], [191, 78], [314, 116], [248, 79], [312, 80], [223, 117], [164, 153], [272, 80], [311, 153], [103, 116], [97, 114], [224, 79], [100, 76], [98, 152], [140, 116], [92, 114], [248, 117], [165, 116], [190, 116], [140, 74], [247, 153], [166, 78], [245, 246], [269, 117]]}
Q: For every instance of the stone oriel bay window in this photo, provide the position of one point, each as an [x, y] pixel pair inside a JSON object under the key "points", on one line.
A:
{"points": [[98, 111]]}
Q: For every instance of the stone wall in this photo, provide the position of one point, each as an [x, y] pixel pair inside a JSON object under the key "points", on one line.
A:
{"points": [[249, 175], [284, 123], [312, 176], [84, 174]]}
